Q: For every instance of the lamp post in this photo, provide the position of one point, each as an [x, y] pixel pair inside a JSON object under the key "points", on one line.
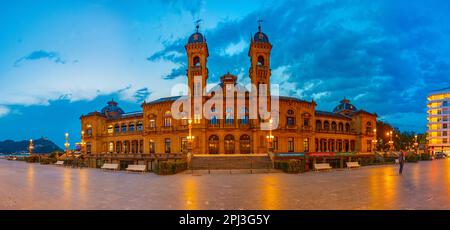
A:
{"points": [[374, 141], [416, 144], [270, 137], [31, 147], [190, 139], [391, 142], [67, 144], [82, 142]]}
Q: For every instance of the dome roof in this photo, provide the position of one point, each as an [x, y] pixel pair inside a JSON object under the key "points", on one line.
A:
{"points": [[261, 37], [112, 110], [345, 106], [196, 38]]}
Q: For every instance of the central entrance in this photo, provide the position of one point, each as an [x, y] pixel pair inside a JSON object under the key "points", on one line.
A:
{"points": [[213, 145], [229, 144]]}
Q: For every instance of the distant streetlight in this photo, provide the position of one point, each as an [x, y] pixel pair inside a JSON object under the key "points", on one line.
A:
{"points": [[391, 142], [31, 147], [67, 144], [374, 141]]}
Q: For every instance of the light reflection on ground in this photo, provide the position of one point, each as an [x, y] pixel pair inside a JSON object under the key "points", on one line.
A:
{"points": [[425, 185]]}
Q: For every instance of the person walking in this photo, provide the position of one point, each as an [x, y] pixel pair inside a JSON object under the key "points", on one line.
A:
{"points": [[401, 161]]}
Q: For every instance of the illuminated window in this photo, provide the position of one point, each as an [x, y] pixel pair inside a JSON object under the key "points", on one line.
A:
{"points": [[110, 129], [290, 144], [152, 123], [306, 144]]}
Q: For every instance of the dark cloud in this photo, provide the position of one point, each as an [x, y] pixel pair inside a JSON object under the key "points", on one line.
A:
{"points": [[142, 94], [384, 55], [41, 54]]}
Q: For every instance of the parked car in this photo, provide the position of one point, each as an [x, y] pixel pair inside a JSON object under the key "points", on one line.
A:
{"points": [[440, 155]]}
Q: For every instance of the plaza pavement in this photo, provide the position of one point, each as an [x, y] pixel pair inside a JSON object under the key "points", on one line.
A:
{"points": [[424, 185]]}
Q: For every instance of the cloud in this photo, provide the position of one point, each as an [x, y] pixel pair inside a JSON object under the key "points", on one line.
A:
{"points": [[142, 94], [4, 111], [41, 54], [383, 56]]}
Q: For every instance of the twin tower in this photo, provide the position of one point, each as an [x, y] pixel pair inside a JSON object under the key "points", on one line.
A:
{"points": [[259, 53]]}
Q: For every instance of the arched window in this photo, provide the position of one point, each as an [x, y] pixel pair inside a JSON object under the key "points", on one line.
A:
{"points": [[167, 119], [341, 127], [347, 127], [326, 126], [213, 144], [245, 144], [244, 112], [333, 126], [139, 126], [124, 128], [111, 147], [116, 128], [229, 116], [318, 125], [260, 60], [196, 61], [110, 129], [131, 127], [229, 144]]}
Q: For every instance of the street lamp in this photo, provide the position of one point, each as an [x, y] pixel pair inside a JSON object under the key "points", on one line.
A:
{"points": [[374, 141], [31, 147], [67, 144], [391, 142], [82, 143], [270, 137], [416, 144], [190, 139]]}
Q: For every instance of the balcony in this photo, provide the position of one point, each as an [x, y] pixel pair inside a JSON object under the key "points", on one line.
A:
{"points": [[291, 127], [166, 128]]}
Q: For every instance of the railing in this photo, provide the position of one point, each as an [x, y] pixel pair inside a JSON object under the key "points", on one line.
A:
{"points": [[334, 131]]}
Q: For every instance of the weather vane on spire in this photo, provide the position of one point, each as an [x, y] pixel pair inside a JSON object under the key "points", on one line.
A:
{"points": [[197, 24], [259, 24]]}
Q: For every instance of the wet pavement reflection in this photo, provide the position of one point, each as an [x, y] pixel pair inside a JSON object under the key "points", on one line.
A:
{"points": [[424, 185]]}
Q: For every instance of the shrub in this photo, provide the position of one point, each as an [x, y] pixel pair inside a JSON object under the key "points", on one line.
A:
{"points": [[291, 166], [411, 157], [170, 167], [425, 157]]}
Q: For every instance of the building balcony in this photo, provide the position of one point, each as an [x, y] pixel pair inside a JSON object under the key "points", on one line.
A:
{"points": [[291, 127], [166, 128]]}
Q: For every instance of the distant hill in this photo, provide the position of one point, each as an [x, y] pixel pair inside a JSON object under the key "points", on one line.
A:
{"points": [[41, 145]]}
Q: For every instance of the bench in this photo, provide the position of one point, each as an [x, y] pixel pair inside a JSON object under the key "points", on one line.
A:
{"points": [[322, 166], [110, 166], [137, 168], [60, 163], [353, 165]]}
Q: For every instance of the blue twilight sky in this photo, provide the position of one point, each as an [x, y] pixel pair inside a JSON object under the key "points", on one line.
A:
{"points": [[60, 59]]}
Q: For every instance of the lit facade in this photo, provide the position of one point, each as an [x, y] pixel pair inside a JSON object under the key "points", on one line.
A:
{"points": [[438, 120], [301, 127]]}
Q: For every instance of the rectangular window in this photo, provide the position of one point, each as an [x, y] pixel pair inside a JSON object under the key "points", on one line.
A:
{"points": [[444, 141], [275, 143], [152, 124], [152, 147], [290, 144], [444, 133], [290, 121], [369, 146], [444, 126], [306, 122], [184, 144], [445, 103], [167, 145], [306, 144]]}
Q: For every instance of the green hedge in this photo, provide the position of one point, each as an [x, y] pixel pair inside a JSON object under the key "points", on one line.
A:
{"points": [[411, 157], [291, 166], [425, 157], [170, 167]]}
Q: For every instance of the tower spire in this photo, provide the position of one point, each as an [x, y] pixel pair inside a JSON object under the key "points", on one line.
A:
{"points": [[197, 25], [259, 25]]}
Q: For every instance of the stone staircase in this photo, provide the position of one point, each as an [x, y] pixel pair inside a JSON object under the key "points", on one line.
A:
{"points": [[228, 162]]}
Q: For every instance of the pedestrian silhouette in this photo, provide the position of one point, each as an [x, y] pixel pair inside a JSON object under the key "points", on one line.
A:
{"points": [[401, 161]]}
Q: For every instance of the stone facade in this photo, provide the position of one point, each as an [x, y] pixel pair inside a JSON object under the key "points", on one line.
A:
{"points": [[301, 127]]}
